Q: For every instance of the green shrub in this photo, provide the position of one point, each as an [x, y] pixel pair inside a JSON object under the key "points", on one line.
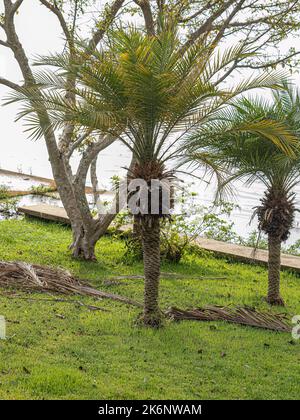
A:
{"points": [[3, 192], [178, 233], [41, 189]]}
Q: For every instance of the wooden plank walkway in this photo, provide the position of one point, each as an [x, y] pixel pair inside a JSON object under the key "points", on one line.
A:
{"points": [[47, 212], [247, 254], [237, 252]]}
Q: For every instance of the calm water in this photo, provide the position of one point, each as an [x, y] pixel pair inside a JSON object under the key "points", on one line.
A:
{"points": [[31, 157]]}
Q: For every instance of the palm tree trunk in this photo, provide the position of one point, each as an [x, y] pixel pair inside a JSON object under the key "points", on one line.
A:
{"points": [[150, 232], [136, 242], [136, 228], [274, 297]]}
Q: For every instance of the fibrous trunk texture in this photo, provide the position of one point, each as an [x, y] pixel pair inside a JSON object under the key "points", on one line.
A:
{"points": [[136, 229], [150, 231], [274, 263], [136, 240], [275, 216]]}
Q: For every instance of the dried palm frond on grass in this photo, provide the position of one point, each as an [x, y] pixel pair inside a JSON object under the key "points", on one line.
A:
{"points": [[237, 315], [174, 276], [31, 277]]}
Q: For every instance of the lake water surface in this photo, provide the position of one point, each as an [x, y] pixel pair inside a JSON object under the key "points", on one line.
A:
{"points": [[31, 157]]}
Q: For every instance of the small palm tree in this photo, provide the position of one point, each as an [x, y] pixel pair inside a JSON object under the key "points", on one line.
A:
{"points": [[253, 157], [145, 93]]}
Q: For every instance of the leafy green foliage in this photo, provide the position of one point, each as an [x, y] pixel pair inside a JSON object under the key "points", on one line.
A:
{"points": [[293, 249], [41, 189], [191, 220], [8, 205], [252, 154], [3, 192], [255, 240]]}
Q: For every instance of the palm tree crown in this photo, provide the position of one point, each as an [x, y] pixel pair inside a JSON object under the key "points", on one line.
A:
{"points": [[144, 92], [252, 157]]}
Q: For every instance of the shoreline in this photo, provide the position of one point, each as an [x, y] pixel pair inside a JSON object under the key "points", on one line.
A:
{"points": [[49, 181]]}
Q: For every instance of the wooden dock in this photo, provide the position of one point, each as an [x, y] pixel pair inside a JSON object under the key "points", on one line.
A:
{"points": [[247, 254], [236, 252], [46, 212]]}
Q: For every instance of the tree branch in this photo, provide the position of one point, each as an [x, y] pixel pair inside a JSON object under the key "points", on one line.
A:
{"points": [[110, 15], [207, 25], [160, 5], [10, 84], [14, 42], [73, 146], [4, 44], [94, 180], [207, 6], [270, 64], [227, 73], [235, 10], [16, 6], [148, 16], [55, 10], [90, 153]]}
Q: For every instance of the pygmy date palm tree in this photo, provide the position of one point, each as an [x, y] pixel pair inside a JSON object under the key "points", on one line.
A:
{"points": [[253, 157], [144, 92]]}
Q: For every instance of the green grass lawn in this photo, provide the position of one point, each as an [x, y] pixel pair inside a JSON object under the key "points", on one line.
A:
{"points": [[60, 351]]}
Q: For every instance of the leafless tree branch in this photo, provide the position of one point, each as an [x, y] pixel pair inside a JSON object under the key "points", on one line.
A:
{"points": [[269, 64], [110, 16], [148, 16], [16, 6], [10, 84], [207, 25], [56, 11], [4, 44]]}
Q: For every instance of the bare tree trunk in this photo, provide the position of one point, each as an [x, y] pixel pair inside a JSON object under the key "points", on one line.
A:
{"points": [[94, 180], [86, 229], [150, 230], [83, 245], [274, 297], [86, 236]]}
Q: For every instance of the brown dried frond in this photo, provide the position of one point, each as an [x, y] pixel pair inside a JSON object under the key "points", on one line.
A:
{"points": [[32, 277], [147, 171], [238, 315], [276, 213]]}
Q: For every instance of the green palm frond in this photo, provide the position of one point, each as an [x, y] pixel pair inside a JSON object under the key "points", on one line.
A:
{"points": [[255, 139], [221, 59], [145, 92]]}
